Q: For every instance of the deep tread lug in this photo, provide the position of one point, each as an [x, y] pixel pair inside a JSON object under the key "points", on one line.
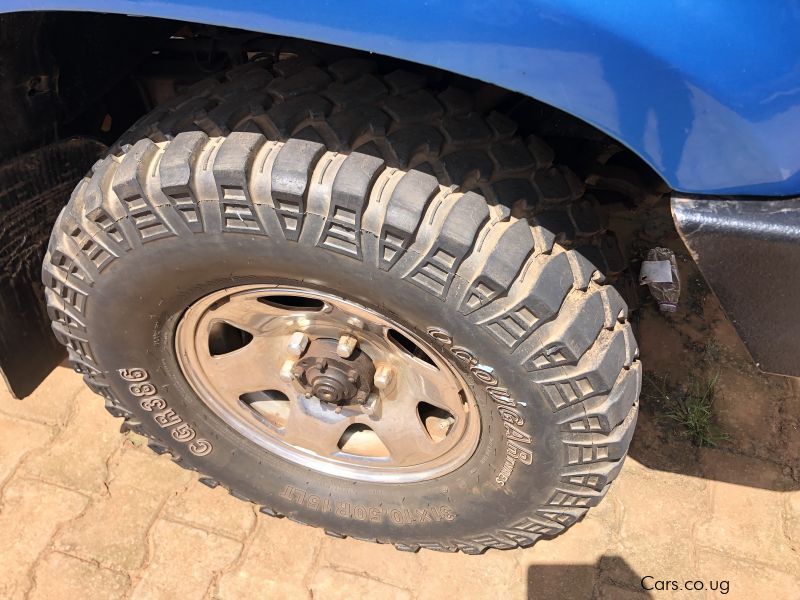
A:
{"points": [[290, 179]]}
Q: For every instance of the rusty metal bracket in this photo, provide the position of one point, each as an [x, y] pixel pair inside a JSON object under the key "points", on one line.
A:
{"points": [[748, 250]]}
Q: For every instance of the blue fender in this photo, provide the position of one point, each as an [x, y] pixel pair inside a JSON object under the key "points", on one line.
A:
{"points": [[705, 91]]}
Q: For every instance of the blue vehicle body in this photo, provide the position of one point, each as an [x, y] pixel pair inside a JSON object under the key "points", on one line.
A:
{"points": [[706, 92]]}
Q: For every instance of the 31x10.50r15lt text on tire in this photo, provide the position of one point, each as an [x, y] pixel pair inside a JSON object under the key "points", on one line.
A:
{"points": [[350, 344]]}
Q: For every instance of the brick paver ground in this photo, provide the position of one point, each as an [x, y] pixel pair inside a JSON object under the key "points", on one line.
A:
{"points": [[88, 512]]}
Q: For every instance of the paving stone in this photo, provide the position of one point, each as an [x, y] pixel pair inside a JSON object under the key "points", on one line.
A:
{"points": [[556, 581], [747, 521], [331, 584], [259, 589], [77, 457], [280, 555], [659, 514], [135, 441], [613, 592], [18, 438], [113, 532], [495, 574], [51, 403], [212, 509], [60, 576], [567, 565], [31, 513], [586, 542], [241, 585], [793, 519], [747, 580], [609, 512], [184, 563], [157, 532], [378, 561], [148, 472]]}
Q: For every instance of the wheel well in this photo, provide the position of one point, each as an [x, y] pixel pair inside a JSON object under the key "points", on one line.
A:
{"points": [[61, 80], [89, 77]]}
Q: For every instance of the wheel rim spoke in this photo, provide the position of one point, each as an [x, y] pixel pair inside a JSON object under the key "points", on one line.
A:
{"points": [[427, 383], [248, 369], [247, 313], [403, 434], [314, 428]]}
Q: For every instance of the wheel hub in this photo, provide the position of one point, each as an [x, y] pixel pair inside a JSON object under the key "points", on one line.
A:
{"points": [[335, 380], [328, 384]]}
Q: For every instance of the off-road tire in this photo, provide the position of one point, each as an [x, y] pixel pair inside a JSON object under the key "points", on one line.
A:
{"points": [[411, 119], [544, 346]]}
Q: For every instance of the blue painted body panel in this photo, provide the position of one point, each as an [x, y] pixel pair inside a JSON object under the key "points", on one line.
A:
{"points": [[706, 91]]}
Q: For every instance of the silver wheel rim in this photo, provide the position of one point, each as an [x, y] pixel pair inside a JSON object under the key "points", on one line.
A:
{"points": [[246, 352]]}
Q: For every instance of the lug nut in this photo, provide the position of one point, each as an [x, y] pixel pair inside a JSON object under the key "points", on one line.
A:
{"points": [[346, 346], [355, 323], [383, 377], [297, 344], [286, 371]]}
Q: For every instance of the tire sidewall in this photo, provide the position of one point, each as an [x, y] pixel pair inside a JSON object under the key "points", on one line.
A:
{"points": [[133, 314]]}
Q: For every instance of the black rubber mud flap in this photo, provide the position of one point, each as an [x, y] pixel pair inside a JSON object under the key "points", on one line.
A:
{"points": [[33, 189], [748, 251]]}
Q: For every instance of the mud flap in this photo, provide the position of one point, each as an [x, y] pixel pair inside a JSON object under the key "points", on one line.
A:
{"points": [[749, 253], [33, 189]]}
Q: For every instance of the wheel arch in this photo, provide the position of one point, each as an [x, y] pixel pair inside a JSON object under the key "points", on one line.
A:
{"points": [[604, 71], [706, 126]]}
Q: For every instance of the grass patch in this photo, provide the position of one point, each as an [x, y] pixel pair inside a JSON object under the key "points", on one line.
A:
{"points": [[712, 352], [690, 406]]}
